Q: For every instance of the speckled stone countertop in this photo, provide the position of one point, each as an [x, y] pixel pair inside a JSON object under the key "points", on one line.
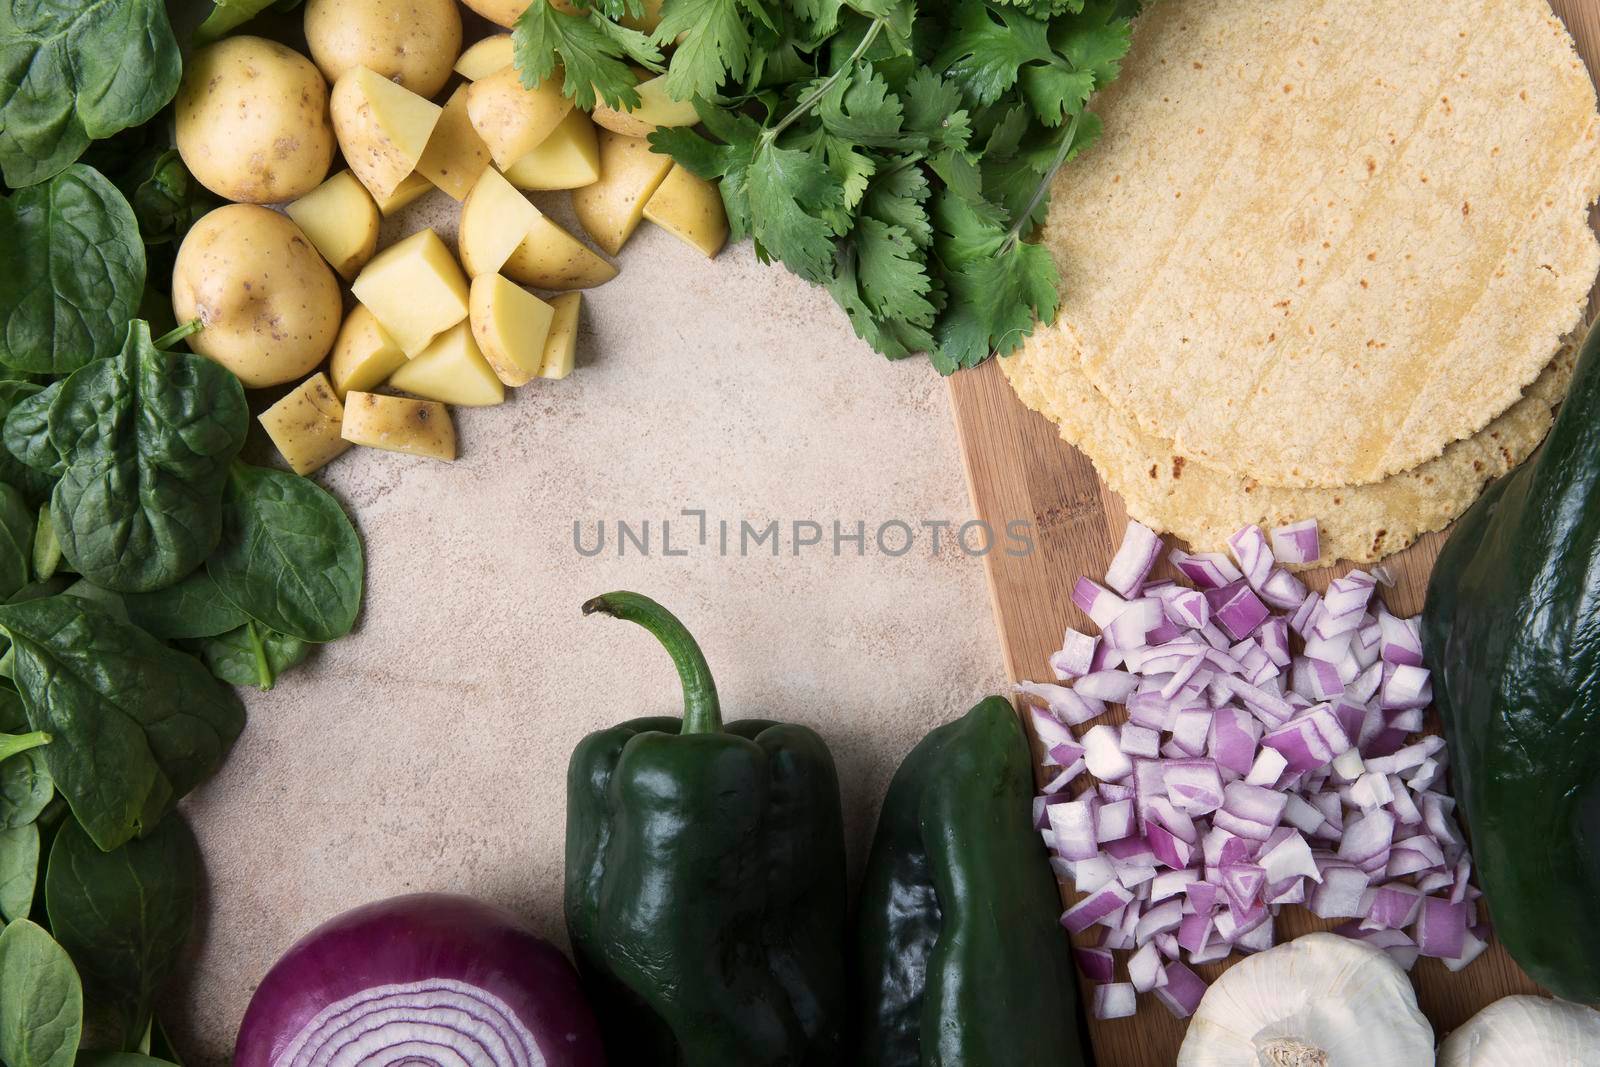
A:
{"points": [[428, 750]]}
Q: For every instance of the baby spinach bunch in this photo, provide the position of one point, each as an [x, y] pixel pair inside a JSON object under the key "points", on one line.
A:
{"points": [[144, 571], [897, 152]]}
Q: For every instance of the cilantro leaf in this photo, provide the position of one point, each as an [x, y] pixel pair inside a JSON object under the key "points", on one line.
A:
{"points": [[1097, 40], [789, 188], [894, 274], [1054, 92], [934, 110], [989, 47], [898, 198], [859, 107], [715, 45], [592, 49]]}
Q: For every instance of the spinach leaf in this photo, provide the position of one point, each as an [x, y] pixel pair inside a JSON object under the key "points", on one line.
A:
{"points": [[289, 557], [33, 484], [192, 608], [76, 272], [165, 197], [41, 999], [124, 915], [135, 724], [146, 437], [72, 73], [229, 15], [19, 867], [104, 599], [16, 542], [27, 432], [252, 655]]}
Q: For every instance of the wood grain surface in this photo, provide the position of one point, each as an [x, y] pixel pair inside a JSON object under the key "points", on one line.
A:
{"points": [[1018, 468]]}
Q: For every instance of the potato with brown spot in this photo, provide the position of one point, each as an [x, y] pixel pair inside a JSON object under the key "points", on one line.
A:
{"points": [[413, 42], [305, 425], [252, 121], [269, 304], [399, 424]]}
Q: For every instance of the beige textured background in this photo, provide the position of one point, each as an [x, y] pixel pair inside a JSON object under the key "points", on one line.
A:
{"points": [[428, 750]]}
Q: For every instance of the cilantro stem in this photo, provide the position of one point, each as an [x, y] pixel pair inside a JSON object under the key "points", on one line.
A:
{"points": [[1014, 235], [811, 98]]}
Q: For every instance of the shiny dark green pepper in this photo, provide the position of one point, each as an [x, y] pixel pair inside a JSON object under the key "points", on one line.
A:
{"points": [[1512, 631], [705, 882], [960, 959]]}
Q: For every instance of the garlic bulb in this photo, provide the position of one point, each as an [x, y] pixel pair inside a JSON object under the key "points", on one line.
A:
{"points": [[1318, 1001], [1525, 1030]]}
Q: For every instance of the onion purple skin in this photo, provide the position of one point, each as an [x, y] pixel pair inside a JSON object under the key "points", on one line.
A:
{"points": [[414, 938]]}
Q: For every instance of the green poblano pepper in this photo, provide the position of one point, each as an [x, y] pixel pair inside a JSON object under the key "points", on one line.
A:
{"points": [[960, 958], [705, 881], [1512, 632]]}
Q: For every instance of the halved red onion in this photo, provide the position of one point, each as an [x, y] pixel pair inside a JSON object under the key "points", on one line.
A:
{"points": [[429, 977]]}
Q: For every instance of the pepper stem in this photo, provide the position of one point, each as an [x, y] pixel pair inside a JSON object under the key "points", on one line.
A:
{"points": [[702, 714]]}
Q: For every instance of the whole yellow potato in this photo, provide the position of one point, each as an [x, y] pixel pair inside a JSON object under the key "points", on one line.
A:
{"points": [[252, 121], [413, 42], [269, 305]]}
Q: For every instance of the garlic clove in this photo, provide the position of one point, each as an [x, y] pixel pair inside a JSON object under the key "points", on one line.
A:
{"points": [[1525, 1030], [1318, 1001]]}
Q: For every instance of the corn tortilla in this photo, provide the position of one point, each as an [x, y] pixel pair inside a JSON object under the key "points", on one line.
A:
{"points": [[1202, 506], [1322, 240]]}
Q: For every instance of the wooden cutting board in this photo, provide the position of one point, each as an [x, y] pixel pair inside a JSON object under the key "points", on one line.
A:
{"points": [[1018, 468]]}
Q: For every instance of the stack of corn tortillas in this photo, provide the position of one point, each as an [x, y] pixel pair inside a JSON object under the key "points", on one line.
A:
{"points": [[1323, 263]]}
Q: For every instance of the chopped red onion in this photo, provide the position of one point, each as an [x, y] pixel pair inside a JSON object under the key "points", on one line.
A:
{"points": [[1297, 543], [1236, 608], [1115, 1000], [1097, 964], [1183, 990], [1268, 758], [1131, 565]]}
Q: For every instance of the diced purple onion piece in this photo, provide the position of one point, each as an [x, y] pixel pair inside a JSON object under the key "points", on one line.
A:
{"points": [[1237, 609], [1115, 1000], [1145, 970], [1097, 964], [1103, 753], [1254, 555], [1297, 543], [1110, 898], [1140, 549], [1076, 656], [1207, 570]]}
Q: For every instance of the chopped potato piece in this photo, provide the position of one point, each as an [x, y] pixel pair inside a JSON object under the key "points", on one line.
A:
{"points": [[494, 221], [561, 347], [568, 159], [415, 289], [488, 56], [451, 370], [611, 208], [551, 258], [690, 208], [456, 155], [399, 424], [511, 326], [364, 355], [341, 219], [505, 12], [414, 186], [382, 127], [655, 109], [512, 120], [306, 424]]}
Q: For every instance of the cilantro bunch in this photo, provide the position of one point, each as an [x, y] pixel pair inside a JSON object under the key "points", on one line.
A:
{"points": [[898, 153]]}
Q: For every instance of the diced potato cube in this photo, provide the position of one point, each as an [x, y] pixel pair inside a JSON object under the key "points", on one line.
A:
{"points": [[456, 155], [611, 208], [494, 220], [364, 354], [561, 347], [485, 58], [306, 425], [399, 424], [655, 109], [415, 289], [341, 219], [382, 128], [451, 370], [512, 120], [511, 326], [551, 258], [414, 186], [690, 208], [568, 159]]}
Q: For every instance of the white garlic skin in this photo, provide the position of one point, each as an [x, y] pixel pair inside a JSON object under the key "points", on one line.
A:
{"points": [[1318, 1001], [1524, 1031]]}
